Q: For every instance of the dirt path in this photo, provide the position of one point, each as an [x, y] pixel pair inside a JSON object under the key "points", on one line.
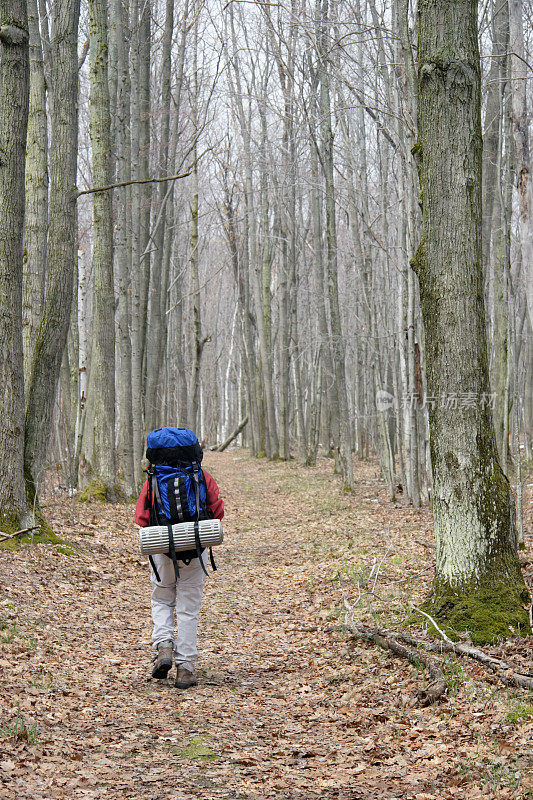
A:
{"points": [[287, 706]]}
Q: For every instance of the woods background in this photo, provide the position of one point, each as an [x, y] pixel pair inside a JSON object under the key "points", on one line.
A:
{"points": [[271, 279]]}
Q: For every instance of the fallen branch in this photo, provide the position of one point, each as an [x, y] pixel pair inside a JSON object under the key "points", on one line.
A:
{"points": [[6, 536], [234, 435], [433, 691]]}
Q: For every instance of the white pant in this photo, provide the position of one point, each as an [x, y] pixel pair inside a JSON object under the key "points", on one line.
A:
{"points": [[185, 596]]}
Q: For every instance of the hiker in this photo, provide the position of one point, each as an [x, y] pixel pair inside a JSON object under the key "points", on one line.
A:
{"points": [[177, 490]]}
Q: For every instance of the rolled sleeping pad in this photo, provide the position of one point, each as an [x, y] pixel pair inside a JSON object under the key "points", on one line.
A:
{"points": [[154, 539]]}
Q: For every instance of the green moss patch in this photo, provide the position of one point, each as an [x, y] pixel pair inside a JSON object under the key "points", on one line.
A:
{"points": [[198, 749], [66, 550], [9, 523], [100, 492], [40, 537], [488, 613]]}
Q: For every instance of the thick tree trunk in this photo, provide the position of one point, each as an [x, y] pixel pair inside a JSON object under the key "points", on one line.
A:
{"points": [[62, 244], [36, 222], [137, 246], [14, 99], [478, 584], [197, 343], [102, 374]]}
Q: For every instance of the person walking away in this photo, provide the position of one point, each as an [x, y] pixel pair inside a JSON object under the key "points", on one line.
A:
{"points": [[177, 490]]}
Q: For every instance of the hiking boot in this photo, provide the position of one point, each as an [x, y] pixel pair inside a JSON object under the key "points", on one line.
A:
{"points": [[185, 678], [163, 660]]}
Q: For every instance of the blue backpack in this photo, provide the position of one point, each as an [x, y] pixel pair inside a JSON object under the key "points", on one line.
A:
{"points": [[177, 490]]}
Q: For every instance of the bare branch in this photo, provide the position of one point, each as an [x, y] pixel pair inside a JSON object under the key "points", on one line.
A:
{"points": [[129, 183]]}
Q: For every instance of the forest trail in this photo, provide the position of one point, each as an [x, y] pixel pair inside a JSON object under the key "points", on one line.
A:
{"points": [[287, 706]]}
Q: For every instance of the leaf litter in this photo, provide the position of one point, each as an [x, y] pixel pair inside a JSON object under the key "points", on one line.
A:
{"points": [[288, 705]]}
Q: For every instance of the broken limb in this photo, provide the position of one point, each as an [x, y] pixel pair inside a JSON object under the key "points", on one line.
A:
{"points": [[233, 435]]}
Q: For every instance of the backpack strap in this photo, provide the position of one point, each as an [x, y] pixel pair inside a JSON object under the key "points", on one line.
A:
{"points": [[156, 496], [195, 472], [153, 498], [156, 573], [172, 551], [149, 505]]}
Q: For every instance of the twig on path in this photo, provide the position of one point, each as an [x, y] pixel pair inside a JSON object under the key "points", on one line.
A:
{"points": [[6, 536], [433, 691], [382, 560], [419, 611]]}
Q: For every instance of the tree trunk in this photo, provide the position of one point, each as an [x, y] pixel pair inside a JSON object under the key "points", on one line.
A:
{"points": [[125, 463], [520, 72], [137, 306], [197, 344], [477, 567], [102, 374], [158, 290], [36, 222], [62, 244], [14, 100], [340, 405]]}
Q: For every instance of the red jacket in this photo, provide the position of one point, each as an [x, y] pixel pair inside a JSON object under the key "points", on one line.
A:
{"points": [[215, 503]]}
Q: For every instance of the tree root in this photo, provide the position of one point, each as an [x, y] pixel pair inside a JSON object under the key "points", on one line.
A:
{"points": [[391, 640], [505, 672]]}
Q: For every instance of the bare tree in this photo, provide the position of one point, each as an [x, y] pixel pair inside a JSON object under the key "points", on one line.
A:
{"points": [[62, 243], [14, 100], [101, 397], [477, 564]]}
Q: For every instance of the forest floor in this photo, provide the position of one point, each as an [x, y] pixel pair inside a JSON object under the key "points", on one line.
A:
{"points": [[288, 706]]}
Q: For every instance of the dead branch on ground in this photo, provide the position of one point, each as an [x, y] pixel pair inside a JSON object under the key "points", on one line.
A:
{"points": [[6, 536], [433, 691]]}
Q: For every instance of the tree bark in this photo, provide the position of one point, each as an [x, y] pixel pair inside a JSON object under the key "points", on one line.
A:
{"points": [[477, 567], [340, 405], [520, 72], [102, 374], [36, 221], [14, 101], [126, 467], [62, 244], [158, 290]]}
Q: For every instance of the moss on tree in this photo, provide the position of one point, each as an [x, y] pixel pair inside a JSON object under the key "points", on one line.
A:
{"points": [[487, 611], [100, 492], [9, 522]]}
